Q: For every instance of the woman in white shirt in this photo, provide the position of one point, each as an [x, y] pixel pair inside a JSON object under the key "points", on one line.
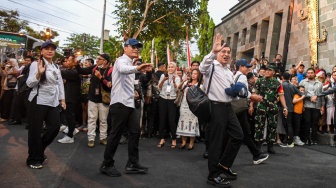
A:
{"points": [[47, 94], [167, 109]]}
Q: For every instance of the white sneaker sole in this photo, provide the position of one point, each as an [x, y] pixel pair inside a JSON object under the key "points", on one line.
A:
{"points": [[260, 160]]}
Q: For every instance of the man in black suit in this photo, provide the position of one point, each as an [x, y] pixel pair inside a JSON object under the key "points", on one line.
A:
{"points": [[72, 90]]}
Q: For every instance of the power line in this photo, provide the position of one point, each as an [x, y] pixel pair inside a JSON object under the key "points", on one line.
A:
{"points": [[93, 8], [58, 8], [38, 19], [47, 13]]}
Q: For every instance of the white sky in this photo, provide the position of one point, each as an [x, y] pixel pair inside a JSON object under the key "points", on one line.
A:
{"points": [[84, 16]]}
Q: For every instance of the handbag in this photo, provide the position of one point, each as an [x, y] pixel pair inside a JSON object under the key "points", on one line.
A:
{"points": [[11, 85], [239, 105], [179, 98], [198, 101], [106, 97]]}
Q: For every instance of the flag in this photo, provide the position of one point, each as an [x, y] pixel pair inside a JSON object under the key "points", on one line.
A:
{"points": [[188, 51], [168, 54], [152, 52], [156, 59]]}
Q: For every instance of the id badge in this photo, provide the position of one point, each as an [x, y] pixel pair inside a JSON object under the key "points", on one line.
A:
{"points": [[97, 91], [168, 88]]}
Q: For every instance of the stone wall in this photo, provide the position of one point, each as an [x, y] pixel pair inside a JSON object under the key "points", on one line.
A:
{"points": [[270, 18]]}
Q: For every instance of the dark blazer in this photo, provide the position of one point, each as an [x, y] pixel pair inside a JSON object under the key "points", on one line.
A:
{"points": [[72, 85]]}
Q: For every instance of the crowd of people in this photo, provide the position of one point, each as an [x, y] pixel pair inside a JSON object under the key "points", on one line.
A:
{"points": [[126, 99]]}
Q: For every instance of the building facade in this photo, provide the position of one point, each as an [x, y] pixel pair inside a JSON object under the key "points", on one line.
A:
{"points": [[268, 27]]}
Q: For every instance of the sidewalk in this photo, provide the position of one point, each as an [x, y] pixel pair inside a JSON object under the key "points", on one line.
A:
{"points": [[76, 165]]}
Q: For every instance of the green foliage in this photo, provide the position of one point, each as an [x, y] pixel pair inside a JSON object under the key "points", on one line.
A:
{"points": [[90, 47], [113, 47], [9, 21], [165, 18], [205, 30]]}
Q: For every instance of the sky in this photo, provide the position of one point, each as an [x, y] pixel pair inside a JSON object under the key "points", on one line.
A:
{"points": [[85, 16]]}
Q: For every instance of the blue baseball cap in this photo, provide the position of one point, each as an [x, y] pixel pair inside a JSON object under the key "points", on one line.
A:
{"points": [[243, 62], [133, 42], [239, 89], [48, 43]]}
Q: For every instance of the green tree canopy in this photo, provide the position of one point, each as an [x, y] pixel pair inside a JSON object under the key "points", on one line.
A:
{"points": [[9, 21], [146, 19], [205, 31], [89, 47]]}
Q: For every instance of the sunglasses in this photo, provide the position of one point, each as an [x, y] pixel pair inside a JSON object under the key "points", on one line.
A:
{"points": [[135, 47]]}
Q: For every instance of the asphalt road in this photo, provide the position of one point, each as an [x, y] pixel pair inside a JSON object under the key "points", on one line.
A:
{"points": [[76, 165]]}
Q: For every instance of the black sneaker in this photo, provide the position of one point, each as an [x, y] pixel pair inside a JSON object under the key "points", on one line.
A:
{"points": [[35, 166], [110, 171], [135, 168], [261, 158]]}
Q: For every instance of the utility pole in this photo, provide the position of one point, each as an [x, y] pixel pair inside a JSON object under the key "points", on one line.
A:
{"points": [[102, 31]]}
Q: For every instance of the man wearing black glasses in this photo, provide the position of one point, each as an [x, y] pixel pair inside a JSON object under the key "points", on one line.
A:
{"points": [[123, 113], [100, 80]]}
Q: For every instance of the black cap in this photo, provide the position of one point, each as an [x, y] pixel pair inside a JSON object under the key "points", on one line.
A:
{"points": [[105, 56], [48, 43]]}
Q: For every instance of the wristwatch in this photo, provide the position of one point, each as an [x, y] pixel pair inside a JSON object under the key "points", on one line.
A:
{"points": [[285, 109]]}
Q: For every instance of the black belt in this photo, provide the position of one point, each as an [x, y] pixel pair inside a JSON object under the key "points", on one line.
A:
{"points": [[221, 103]]}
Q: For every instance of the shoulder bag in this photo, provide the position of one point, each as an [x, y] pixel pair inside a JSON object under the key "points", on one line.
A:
{"points": [[198, 101], [241, 104]]}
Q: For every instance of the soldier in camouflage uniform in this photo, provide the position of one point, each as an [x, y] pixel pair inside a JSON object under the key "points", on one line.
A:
{"points": [[270, 89]]}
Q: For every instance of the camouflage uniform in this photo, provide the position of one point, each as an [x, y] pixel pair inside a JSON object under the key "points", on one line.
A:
{"points": [[269, 89]]}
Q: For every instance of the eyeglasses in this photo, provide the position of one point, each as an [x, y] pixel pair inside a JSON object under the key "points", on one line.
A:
{"points": [[135, 47], [99, 58]]}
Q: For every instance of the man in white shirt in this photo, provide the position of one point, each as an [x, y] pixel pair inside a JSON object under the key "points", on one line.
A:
{"points": [[221, 156], [123, 113]]}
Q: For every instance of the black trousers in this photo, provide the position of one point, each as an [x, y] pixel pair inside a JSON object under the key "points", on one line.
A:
{"points": [[70, 115], [223, 122], [288, 125], [242, 118], [167, 113], [37, 143], [123, 117], [311, 117], [19, 106], [6, 103], [296, 123]]}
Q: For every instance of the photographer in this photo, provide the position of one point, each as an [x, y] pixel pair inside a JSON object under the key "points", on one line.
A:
{"points": [[9, 73]]}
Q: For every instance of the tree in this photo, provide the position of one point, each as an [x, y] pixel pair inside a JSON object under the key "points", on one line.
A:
{"points": [[205, 30], [9, 21], [146, 19], [40, 34], [89, 47], [113, 47]]}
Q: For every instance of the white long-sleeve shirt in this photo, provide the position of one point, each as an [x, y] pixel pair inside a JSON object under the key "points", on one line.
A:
{"points": [[222, 78], [123, 77], [51, 91]]}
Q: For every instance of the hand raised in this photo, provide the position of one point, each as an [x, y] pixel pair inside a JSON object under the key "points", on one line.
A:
{"points": [[217, 47], [41, 67]]}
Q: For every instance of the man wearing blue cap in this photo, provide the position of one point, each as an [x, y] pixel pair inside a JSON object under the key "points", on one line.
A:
{"points": [[242, 67], [123, 113]]}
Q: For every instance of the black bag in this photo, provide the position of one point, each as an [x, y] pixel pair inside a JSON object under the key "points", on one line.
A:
{"points": [[11, 85], [239, 105], [198, 101]]}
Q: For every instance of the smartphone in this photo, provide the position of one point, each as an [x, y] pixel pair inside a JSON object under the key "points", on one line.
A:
{"points": [[166, 74], [293, 66]]}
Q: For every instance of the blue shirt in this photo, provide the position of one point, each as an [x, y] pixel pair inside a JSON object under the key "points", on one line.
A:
{"points": [[123, 77], [299, 76]]}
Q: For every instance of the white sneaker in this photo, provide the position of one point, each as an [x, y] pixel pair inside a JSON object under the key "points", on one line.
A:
{"points": [[63, 127], [66, 140], [66, 130], [298, 142]]}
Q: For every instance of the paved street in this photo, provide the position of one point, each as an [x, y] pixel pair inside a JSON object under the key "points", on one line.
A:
{"points": [[76, 165]]}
